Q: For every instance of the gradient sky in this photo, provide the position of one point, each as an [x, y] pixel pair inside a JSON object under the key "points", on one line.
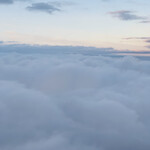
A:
{"points": [[120, 24]]}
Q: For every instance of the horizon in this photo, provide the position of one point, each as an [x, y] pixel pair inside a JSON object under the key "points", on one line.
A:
{"points": [[99, 23], [74, 75]]}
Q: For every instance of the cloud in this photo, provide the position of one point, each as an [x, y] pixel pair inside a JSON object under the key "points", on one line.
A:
{"points": [[144, 39], [1, 42], [148, 41], [11, 1], [6, 1], [128, 16], [72, 99], [145, 21], [138, 38], [11, 46], [44, 7], [148, 46]]}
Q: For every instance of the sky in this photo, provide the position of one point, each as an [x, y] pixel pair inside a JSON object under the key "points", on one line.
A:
{"points": [[118, 24], [74, 75]]}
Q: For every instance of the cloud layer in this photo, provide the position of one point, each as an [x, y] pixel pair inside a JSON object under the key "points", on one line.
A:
{"points": [[73, 101]]}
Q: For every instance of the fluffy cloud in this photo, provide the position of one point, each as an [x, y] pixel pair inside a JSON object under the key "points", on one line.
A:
{"points": [[69, 101]]}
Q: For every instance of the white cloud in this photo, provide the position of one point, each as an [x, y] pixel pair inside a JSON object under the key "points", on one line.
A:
{"points": [[73, 101]]}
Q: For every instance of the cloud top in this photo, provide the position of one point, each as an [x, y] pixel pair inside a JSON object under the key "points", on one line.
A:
{"points": [[73, 101]]}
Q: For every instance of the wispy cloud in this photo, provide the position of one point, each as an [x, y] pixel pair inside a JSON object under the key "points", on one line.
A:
{"points": [[127, 15], [146, 39], [44, 7], [148, 46], [145, 21], [143, 38]]}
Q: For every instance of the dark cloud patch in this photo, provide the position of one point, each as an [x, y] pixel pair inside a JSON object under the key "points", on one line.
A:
{"points": [[126, 15], [145, 21], [129, 16], [11, 1], [44, 7], [6, 1]]}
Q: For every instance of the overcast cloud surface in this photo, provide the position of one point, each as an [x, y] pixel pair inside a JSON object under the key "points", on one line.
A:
{"points": [[73, 102]]}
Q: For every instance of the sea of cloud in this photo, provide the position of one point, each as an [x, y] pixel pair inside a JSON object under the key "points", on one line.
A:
{"points": [[73, 102]]}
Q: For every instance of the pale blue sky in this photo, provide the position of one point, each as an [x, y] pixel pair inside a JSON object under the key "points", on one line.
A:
{"points": [[99, 23]]}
